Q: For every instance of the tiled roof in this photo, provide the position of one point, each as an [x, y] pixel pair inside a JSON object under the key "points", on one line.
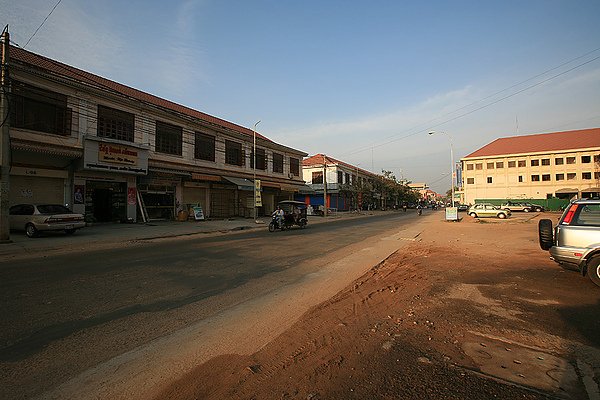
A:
{"points": [[317, 159], [541, 143], [57, 68]]}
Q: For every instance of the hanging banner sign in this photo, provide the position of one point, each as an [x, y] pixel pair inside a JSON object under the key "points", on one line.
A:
{"points": [[257, 195]]}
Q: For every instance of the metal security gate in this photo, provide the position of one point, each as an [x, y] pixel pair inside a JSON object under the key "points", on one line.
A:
{"points": [[222, 203], [36, 190]]}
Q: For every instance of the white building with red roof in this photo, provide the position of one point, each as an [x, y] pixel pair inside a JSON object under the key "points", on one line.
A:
{"points": [[542, 166]]}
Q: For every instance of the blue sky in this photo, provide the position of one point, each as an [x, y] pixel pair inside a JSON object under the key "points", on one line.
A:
{"points": [[360, 81]]}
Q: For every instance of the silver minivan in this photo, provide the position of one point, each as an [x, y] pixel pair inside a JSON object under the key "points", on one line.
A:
{"points": [[575, 241]]}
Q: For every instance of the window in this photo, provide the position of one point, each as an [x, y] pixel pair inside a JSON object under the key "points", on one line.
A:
{"points": [[490, 165], [317, 177], [278, 163], [489, 179], [500, 164], [570, 160], [168, 138], [571, 176], [233, 153], [535, 163], [596, 175], [559, 161], [586, 159], [470, 181], [469, 167], [520, 178], [545, 177], [560, 177], [295, 166], [535, 178], [204, 147], [347, 178], [545, 161], [586, 175], [479, 166], [115, 124], [39, 110], [512, 164], [597, 158], [340, 177], [522, 163], [261, 162]]}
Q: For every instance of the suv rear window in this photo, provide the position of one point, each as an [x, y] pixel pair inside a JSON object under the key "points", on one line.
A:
{"points": [[587, 215]]}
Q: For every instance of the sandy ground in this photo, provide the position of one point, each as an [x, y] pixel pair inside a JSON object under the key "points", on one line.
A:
{"points": [[470, 309]]}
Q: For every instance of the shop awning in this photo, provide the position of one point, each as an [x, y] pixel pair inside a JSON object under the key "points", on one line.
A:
{"points": [[591, 190], [305, 189], [566, 190], [241, 183], [169, 171]]}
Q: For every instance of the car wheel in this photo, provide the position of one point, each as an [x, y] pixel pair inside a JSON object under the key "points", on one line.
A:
{"points": [[593, 269], [69, 231], [526, 210], [501, 215], [30, 231], [545, 234], [473, 215]]}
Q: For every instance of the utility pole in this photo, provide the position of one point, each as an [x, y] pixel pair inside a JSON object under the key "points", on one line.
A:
{"points": [[4, 139], [325, 185]]}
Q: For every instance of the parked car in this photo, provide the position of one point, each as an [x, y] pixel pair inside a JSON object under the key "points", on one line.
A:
{"points": [[462, 207], [575, 241], [35, 218], [512, 206], [483, 210], [535, 207]]}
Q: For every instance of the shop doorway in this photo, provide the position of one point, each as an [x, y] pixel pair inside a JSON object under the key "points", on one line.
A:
{"points": [[105, 201]]}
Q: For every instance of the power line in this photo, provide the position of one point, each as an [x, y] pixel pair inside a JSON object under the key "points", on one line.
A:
{"points": [[365, 148], [47, 16]]}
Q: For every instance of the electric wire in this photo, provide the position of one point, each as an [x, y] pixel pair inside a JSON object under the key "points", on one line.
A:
{"points": [[44, 21], [365, 148]]}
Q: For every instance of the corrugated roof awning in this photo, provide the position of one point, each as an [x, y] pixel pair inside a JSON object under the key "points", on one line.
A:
{"points": [[241, 183], [169, 171], [567, 190], [305, 189]]}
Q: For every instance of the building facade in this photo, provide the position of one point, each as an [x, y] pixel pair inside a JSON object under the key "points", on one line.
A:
{"points": [[115, 153], [552, 165], [348, 187]]}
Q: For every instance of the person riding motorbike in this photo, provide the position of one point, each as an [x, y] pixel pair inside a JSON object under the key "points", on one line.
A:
{"points": [[278, 214], [419, 210]]}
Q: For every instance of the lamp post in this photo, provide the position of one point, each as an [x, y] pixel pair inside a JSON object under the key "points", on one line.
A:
{"points": [[254, 170], [451, 165]]}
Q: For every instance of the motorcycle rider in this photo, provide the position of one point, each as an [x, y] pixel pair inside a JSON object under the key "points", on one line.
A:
{"points": [[278, 214], [419, 210]]}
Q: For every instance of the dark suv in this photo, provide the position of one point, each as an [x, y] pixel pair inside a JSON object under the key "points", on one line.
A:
{"points": [[575, 242]]}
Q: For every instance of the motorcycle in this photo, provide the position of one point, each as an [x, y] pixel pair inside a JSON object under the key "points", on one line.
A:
{"points": [[419, 211]]}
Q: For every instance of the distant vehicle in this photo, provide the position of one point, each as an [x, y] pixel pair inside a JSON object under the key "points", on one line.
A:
{"points": [[535, 207], [35, 218], [513, 206], [462, 207], [575, 242], [483, 210]]}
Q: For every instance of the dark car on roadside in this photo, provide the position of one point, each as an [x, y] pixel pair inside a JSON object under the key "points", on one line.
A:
{"points": [[36, 218], [462, 207]]}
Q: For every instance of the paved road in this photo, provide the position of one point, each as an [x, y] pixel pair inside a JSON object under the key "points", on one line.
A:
{"points": [[67, 313]]}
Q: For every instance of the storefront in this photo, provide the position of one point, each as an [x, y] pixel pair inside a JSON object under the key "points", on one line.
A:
{"points": [[38, 185], [105, 190]]}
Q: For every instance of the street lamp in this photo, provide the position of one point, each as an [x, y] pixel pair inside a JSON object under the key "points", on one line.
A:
{"points": [[451, 161], [254, 170]]}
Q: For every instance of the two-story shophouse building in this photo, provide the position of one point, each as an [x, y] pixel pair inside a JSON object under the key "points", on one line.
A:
{"points": [[116, 153], [348, 187], [543, 166]]}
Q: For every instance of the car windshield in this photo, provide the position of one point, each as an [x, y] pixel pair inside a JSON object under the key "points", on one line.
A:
{"points": [[53, 209]]}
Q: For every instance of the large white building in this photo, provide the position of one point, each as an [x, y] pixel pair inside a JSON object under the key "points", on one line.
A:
{"points": [[543, 166], [114, 152]]}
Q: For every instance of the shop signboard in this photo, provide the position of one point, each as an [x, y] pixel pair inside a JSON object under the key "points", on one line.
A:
{"points": [[257, 195], [451, 214], [198, 213]]}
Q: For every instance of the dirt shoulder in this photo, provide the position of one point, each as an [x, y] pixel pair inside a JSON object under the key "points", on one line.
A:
{"points": [[468, 310]]}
